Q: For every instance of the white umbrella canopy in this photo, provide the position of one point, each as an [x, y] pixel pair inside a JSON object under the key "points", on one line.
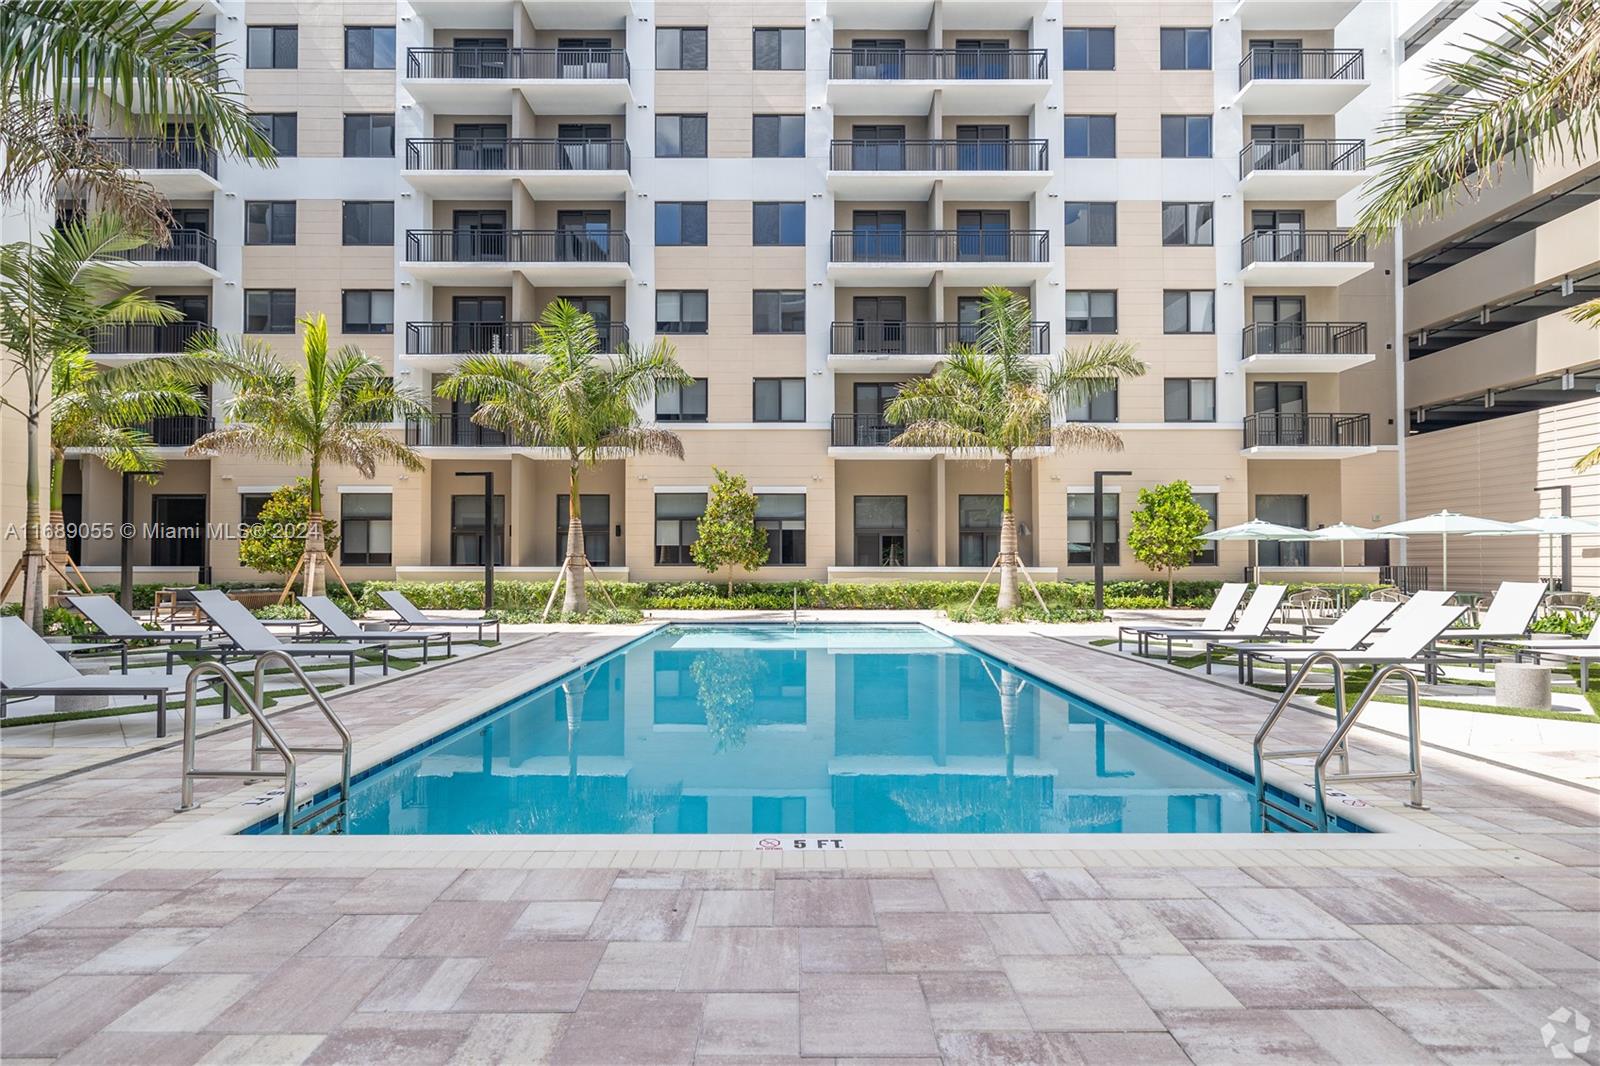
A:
{"points": [[1547, 525], [1445, 523], [1257, 530], [1344, 532]]}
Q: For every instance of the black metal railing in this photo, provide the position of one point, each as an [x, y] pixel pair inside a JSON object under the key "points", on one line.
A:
{"points": [[146, 338], [863, 431], [940, 246], [454, 431], [871, 156], [472, 338], [1279, 429], [1272, 63], [870, 337], [178, 431], [1305, 338], [159, 153], [518, 153], [1297, 153], [1303, 246], [183, 246], [516, 246], [937, 64], [564, 64], [1408, 579]]}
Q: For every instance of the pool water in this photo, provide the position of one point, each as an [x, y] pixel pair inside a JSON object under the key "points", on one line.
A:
{"points": [[802, 730]]}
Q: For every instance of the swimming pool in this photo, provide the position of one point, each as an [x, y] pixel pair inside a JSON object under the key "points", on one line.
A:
{"points": [[762, 729]]}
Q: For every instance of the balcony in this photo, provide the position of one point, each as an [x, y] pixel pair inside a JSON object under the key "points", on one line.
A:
{"points": [[189, 258], [1298, 169], [439, 345], [178, 431], [902, 81], [176, 167], [1302, 257], [1299, 81], [915, 347], [964, 256], [1292, 14], [864, 431], [454, 431], [550, 168], [1305, 347], [121, 343], [483, 257], [907, 170], [572, 81], [1281, 435], [852, 432]]}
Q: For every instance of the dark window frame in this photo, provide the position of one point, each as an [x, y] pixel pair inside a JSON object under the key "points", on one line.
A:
{"points": [[679, 118], [676, 326], [276, 211], [348, 524], [1099, 398], [786, 534], [679, 552], [1188, 400], [680, 31], [988, 536], [1188, 135], [1092, 319], [283, 44], [783, 308], [902, 531], [1094, 213], [367, 131], [1192, 225], [596, 534], [698, 389], [1110, 529], [1184, 47], [781, 31], [345, 219], [777, 207], [1091, 35], [782, 119], [1089, 120], [682, 228], [778, 383], [346, 320], [274, 308], [1188, 311], [286, 147], [373, 50]]}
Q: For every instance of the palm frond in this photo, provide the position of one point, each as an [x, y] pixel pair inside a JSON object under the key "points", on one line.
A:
{"points": [[52, 153], [1085, 436]]}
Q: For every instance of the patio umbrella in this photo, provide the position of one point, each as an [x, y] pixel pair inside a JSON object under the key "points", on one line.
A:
{"points": [[1445, 523], [1344, 532], [1548, 525], [1257, 530]]}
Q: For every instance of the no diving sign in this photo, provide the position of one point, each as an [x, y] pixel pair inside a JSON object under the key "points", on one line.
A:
{"points": [[799, 844]]}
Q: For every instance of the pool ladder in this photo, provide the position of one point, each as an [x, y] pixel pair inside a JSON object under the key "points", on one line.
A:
{"points": [[1285, 814], [333, 814]]}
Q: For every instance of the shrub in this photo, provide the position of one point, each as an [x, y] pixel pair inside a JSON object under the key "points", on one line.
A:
{"points": [[274, 543]]}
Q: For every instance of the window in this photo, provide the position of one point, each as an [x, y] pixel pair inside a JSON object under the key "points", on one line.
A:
{"points": [[680, 136], [681, 48], [1092, 311], [1098, 406], [779, 224], [369, 136], [368, 222], [272, 47], [1091, 137], [680, 311], [467, 530], [1185, 48], [366, 528], [978, 520], [1089, 49], [269, 222], [778, 311], [369, 47], [1091, 224], [1188, 311], [1185, 136], [780, 49], [1207, 556], [778, 136], [281, 129], [269, 310], [596, 527], [680, 224], [1186, 223], [677, 526], [1080, 528], [880, 530], [686, 403], [250, 504], [780, 400], [783, 517], [1190, 399], [369, 311]]}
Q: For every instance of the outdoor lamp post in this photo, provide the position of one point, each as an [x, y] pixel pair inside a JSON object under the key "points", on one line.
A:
{"points": [[488, 533], [125, 593], [1096, 549]]}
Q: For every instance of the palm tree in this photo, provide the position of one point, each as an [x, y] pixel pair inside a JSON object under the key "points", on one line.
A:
{"points": [[54, 295], [333, 411], [573, 398], [993, 396], [61, 61]]}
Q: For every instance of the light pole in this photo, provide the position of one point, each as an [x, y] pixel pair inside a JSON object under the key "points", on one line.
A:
{"points": [[1096, 548], [125, 593], [488, 533]]}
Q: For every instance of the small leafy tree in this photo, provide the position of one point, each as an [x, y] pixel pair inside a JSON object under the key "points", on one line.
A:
{"points": [[728, 535], [278, 538], [1166, 529]]}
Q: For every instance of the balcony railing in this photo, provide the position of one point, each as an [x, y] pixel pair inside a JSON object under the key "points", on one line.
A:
{"points": [[522, 64], [872, 156], [940, 246], [1303, 246], [863, 431], [1296, 153], [1276, 429], [159, 153], [516, 246], [146, 338], [178, 431], [454, 431], [867, 337], [518, 153], [937, 64], [185, 246], [1272, 63], [1305, 338], [472, 338]]}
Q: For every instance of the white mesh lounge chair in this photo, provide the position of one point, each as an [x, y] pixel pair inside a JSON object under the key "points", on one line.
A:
{"points": [[30, 667], [1580, 650], [1508, 617], [1350, 631], [122, 629], [341, 626], [247, 637], [410, 616], [1406, 642], [1217, 617], [1253, 621]]}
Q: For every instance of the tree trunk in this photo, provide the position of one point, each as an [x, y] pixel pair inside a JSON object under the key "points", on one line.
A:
{"points": [[1008, 547], [56, 530], [33, 545], [1170, 574], [316, 547], [575, 599], [730, 581]]}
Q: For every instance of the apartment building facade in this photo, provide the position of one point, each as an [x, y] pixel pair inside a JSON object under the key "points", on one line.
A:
{"points": [[806, 199]]}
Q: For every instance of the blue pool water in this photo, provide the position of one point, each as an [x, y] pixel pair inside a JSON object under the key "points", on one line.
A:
{"points": [[808, 730]]}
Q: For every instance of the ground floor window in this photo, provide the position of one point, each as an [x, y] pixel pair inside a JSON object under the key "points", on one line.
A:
{"points": [[1207, 557], [1284, 511], [677, 526], [250, 504], [979, 524], [366, 528], [880, 530], [72, 517], [596, 516], [783, 517], [179, 537], [466, 530], [1080, 527]]}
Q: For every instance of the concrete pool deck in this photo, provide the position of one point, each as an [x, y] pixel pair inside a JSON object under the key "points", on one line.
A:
{"points": [[132, 934]]}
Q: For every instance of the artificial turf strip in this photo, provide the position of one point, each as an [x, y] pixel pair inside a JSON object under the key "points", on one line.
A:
{"points": [[117, 712], [1326, 700]]}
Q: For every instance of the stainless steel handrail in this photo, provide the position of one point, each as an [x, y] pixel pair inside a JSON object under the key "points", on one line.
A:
{"points": [[253, 709], [1262, 802], [346, 742]]}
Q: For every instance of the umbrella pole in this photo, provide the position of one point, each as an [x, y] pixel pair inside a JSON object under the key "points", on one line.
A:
{"points": [[1341, 575], [1444, 551]]}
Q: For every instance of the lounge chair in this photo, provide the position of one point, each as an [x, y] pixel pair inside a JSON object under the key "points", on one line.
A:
{"points": [[247, 637], [1580, 650], [122, 629], [1402, 644], [1253, 621], [1217, 617], [1350, 631], [31, 667], [1507, 618], [341, 626], [410, 616]]}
